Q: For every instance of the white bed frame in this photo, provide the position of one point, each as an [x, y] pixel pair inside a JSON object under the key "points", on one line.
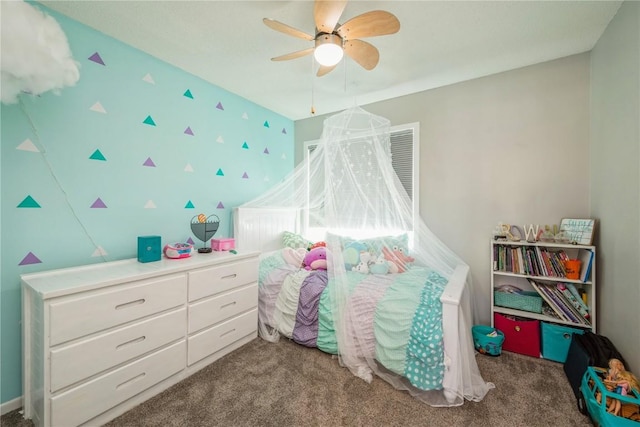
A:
{"points": [[261, 230]]}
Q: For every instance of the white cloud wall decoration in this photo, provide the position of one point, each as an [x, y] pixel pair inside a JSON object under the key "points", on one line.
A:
{"points": [[36, 57]]}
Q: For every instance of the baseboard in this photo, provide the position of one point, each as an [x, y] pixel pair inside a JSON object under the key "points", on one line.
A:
{"points": [[11, 405]]}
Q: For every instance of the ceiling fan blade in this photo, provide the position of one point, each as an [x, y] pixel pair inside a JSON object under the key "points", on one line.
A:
{"points": [[293, 55], [369, 24], [325, 70], [326, 14], [363, 53], [284, 28]]}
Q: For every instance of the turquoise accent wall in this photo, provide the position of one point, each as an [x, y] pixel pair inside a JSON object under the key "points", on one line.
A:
{"points": [[137, 147]]}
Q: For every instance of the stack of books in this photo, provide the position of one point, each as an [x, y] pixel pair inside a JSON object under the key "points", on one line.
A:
{"points": [[530, 260], [565, 301]]}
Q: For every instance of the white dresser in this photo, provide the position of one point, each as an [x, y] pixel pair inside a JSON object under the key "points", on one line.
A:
{"points": [[100, 339]]}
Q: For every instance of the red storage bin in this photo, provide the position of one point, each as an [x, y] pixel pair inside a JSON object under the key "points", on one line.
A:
{"points": [[520, 336]]}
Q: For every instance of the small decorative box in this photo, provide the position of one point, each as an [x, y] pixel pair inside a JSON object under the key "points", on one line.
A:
{"points": [[223, 244], [149, 248]]}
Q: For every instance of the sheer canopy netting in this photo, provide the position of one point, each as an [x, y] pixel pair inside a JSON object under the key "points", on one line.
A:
{"points": [[348, 196]]}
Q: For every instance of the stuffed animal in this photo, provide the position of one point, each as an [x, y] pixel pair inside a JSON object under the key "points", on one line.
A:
{"points": [[316, 259], [317, 245], [351, 254], [380, 266], [362, 267], [398, 259]]}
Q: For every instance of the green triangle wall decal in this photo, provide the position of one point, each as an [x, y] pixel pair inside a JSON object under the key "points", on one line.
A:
{"points": [[245, 145], [266, 124], [188, 94], [220, 173], [149, 121], [189, 205], [29, 202], [97, 155]]}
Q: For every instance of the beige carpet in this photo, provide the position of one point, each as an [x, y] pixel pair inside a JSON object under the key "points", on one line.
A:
{"points": [[284, 384]]}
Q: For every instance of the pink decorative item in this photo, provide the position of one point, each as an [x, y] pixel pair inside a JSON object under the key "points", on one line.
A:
{"points": [[178, 250], [224, 244], [316, 259]]}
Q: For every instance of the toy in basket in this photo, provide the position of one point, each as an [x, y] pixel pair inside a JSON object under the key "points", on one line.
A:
{"points": [[487, 340], [204, 227], [177, 250], [609, 402]]}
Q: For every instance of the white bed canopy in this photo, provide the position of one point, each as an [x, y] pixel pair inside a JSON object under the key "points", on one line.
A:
{"points": [[347, 191]]}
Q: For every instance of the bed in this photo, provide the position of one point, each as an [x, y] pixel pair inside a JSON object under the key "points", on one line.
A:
{"points": [[386, 313]]}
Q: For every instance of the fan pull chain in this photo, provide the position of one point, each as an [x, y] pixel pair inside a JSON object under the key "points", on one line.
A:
{"points": [[313, 110], [344, 65]]}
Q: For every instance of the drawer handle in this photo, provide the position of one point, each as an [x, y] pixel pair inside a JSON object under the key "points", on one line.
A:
{"points": [[132, 380], [228, 304], [130, 303], [133, 341], [228, 332], [517, 328], [229, 276]]}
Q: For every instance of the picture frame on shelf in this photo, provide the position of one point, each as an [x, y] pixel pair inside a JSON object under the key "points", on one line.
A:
{"points": [[578, 231]]}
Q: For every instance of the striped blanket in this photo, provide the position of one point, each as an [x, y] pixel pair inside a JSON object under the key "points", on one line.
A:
{"points": [[397, 318]]}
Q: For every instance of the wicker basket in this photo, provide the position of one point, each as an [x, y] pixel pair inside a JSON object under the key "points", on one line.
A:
{"points": [[526, 301]]}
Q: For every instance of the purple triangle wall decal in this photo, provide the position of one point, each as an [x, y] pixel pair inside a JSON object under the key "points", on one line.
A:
{"points": [[149, 163], [96, 58], [30, 259], [220, 205], [219, 106], [98, 204], [188, 131]]}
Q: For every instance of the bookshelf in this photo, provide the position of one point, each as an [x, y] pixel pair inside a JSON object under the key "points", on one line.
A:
{"points": [[536, 268]]}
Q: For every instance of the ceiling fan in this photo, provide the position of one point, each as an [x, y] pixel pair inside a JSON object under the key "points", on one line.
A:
{"points": [[332, 39]]}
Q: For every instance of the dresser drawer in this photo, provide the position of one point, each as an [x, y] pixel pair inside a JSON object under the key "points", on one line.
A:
{"points": [[79, 316], [213, 280], [216, 338], [214, 310], [89, 357], [83, 403]]}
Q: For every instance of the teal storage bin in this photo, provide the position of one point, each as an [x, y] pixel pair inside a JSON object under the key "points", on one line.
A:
{"points": [[556, 340], [526, 300], [486, 341]]}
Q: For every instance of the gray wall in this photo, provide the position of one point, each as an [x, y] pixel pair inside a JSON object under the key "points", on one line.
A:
{"points": [[615, 180], [511, 147]]}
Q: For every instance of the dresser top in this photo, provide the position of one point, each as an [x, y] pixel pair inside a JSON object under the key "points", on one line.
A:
{"points": [[65, 281]]}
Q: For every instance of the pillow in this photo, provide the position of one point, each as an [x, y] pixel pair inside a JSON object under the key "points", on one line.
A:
{"points": [[295, 241], [377, 255]]}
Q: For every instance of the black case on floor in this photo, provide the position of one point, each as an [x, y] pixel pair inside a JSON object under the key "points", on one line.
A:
{"points": [[588, 349]]}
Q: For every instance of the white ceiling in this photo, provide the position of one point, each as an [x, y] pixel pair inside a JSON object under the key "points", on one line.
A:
{"points": [[439, 43]]}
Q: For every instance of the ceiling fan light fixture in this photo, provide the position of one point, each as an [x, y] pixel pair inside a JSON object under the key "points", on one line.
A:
{"points": [[328, 51]]}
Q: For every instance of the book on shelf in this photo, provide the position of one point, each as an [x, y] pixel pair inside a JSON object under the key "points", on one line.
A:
{"points": [[575, 315], [586, 256], [550, 302], [575, 302], [531, 260], [563, 304], [580, 296]]}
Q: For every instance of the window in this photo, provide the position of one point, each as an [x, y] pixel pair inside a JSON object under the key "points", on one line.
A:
{"points": [[405, 144]]}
